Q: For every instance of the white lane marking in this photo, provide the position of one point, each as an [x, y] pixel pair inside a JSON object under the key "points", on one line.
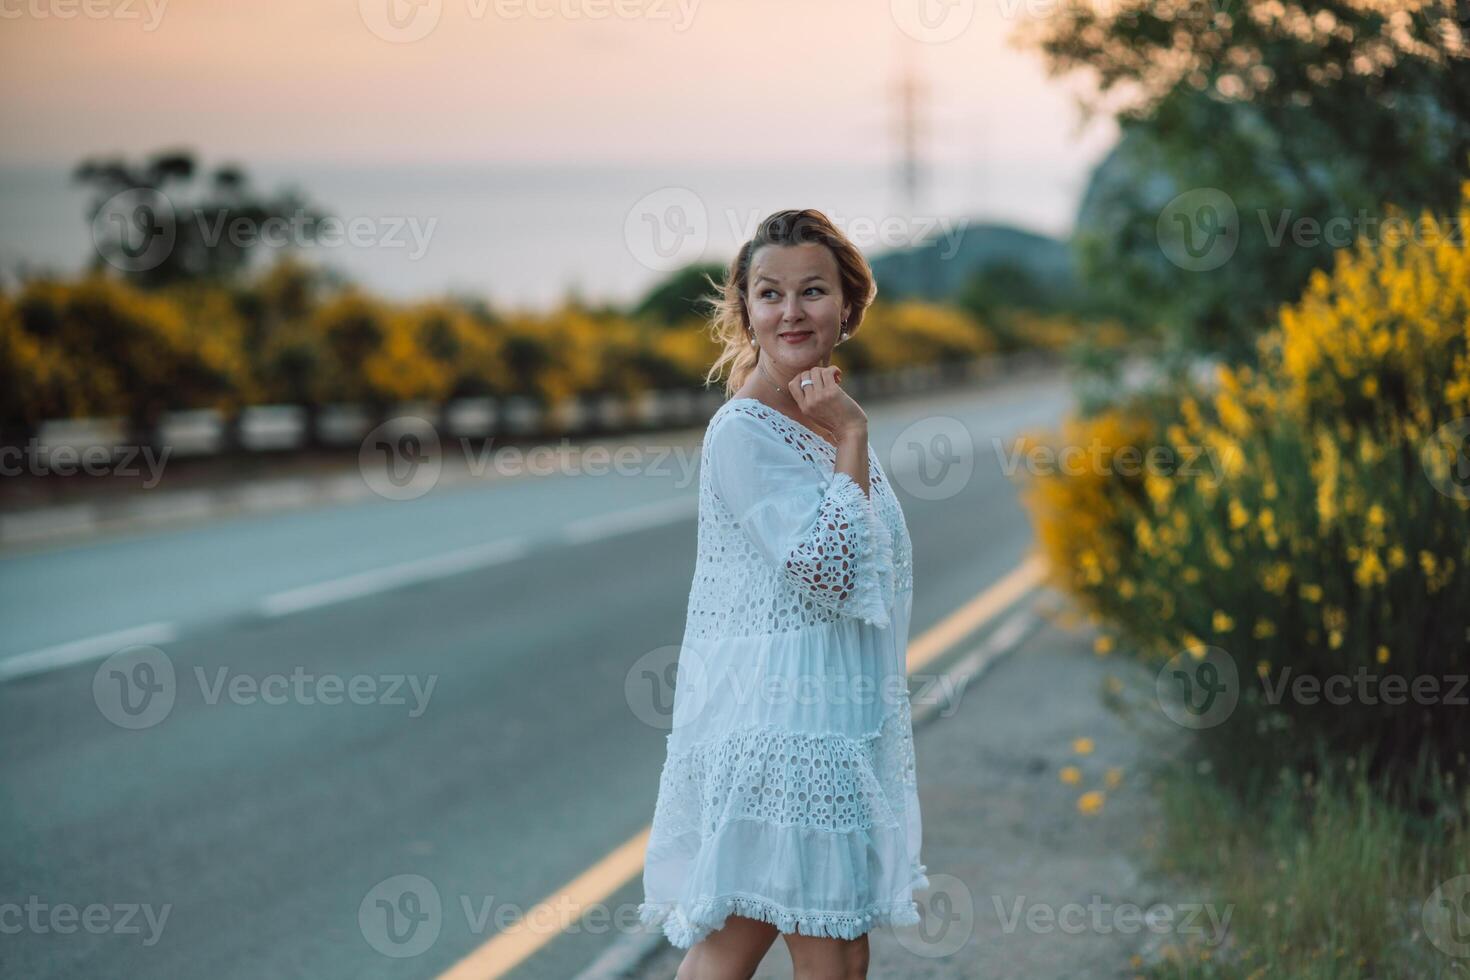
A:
{"points": [[633, 519], [358, 585], [393, 577], [90, 648], [473, 558]]}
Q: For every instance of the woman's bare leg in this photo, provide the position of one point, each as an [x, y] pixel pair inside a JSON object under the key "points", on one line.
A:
{"points": [[731, 952], [824, 958]]}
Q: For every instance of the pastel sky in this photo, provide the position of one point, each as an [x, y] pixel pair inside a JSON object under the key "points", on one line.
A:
{"points": [[626, 81]]}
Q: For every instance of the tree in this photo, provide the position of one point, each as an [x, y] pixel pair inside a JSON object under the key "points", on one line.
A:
{"points": [[1263, 121], [679, 297], [147, 225]]}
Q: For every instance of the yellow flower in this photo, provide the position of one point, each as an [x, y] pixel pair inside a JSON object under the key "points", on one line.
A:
{"points": [[1275, 576], [1189, 408], [1263, 629], [1103, 644], [1082, 746], [1090, 802], [1160, 490], [1232, 458], [1221, 622], [1370, 570], [1144, 535], [1218, 555], [1325, 470], [1239, 518], [1263, 667], [1113, 777], [1232, 415], [1312, 593], [1382, 654], [1070, 775], [1190, 575]]}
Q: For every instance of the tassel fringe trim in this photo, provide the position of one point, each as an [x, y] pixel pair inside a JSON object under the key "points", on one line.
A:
{"points": [[684, 927]]}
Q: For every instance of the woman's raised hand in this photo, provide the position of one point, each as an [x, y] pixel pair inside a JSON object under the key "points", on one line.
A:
{"points": [[826, 403]]}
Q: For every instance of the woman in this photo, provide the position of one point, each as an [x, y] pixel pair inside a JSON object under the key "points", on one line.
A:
{"points": [[787, 801]]}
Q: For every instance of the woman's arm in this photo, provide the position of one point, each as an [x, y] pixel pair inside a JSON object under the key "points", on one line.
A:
{"points": [[822, 534], [852, 455]]}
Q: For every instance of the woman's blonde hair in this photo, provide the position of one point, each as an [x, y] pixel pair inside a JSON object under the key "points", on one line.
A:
{"points": [[730, 320]]}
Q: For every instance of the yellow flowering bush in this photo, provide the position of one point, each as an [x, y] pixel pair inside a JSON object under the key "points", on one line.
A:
{"points": [[894, 335], [100, 346], [1310, 518]]}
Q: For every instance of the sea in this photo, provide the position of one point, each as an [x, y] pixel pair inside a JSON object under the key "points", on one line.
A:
{"points": [[525, 237]]}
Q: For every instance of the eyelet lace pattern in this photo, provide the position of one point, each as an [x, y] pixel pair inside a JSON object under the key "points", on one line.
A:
{"points": [[736, 592], [835, 783], [826, 789]]}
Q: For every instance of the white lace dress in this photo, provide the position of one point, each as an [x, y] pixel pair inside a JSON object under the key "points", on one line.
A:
{"points": [[788, 792]]}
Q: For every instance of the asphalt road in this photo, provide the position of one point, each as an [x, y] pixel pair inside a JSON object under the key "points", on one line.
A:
{"points": [[476, 642]]}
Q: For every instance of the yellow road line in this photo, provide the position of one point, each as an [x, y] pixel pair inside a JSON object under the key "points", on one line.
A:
{"points": [[550, 917], [952, 629]]}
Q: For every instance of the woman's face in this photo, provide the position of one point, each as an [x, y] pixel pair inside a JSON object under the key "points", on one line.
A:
{"points": [[794, 290]]}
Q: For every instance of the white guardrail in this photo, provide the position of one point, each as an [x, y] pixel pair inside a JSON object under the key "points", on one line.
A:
{"points": [[283, 428]]}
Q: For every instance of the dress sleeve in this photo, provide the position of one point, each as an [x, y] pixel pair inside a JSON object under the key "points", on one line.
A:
{"points": [[821, 533]]}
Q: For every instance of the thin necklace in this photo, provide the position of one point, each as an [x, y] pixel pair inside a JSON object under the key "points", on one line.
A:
{"points": [[761, 366]]}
